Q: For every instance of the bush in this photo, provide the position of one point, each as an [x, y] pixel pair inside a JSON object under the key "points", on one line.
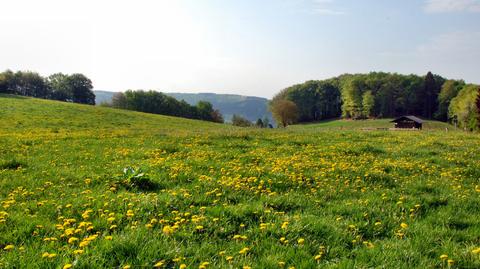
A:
{"points": [[240, 121]]}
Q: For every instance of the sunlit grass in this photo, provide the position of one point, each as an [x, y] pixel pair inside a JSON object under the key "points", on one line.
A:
{"points": [[225, 197]]}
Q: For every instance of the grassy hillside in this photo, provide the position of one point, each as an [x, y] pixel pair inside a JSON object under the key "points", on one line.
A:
{"points": [[215, 196]]}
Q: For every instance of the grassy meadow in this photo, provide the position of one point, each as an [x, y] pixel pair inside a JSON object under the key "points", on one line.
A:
{"points": [[208, 195]]}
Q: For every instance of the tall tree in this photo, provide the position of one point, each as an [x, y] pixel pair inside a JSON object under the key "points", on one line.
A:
{"points": [[81, 88], [119, 100], [284, 111], [59, 87], [464, 107], [217, 116], [478, 108], [430, 96], [448, 91], [368, 102], [205, 110], [29, 84]]}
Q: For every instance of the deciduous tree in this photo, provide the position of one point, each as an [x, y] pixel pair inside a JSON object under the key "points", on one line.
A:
{"points": [[284, 111]]}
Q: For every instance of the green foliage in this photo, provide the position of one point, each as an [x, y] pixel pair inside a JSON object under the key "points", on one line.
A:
{"points": [[136, 179], [159, 103], [285, 112], [368, 101], [464, 108], [449, 90], [316, 100], [393, 95], [69, 88], [240, 121], [478, 108]]}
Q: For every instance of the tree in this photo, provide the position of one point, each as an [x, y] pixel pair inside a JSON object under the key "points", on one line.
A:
{"points": [[205, 110], [59, 87], [448, 91], [430, 95], [28, 84], [284, 111], [352, 98], [478, 108], [316, 100], [367, 103], [3, 83], [217, 116], [259, 123], [266, 122], [119, 100], [464, 107], [240, 121], [81, 88]]}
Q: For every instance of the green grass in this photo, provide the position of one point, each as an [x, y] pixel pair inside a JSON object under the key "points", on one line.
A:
{"points": [[357, 199]]}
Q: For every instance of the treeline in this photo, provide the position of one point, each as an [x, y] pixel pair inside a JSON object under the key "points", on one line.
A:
{"points": [[75, 88], [159, 103], [384, 95]]}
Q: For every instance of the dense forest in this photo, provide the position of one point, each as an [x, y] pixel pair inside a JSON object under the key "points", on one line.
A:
{"points": [[75, 88], [385, 95]]}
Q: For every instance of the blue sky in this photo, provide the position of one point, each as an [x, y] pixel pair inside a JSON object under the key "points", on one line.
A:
{"points": [[245, 47]]}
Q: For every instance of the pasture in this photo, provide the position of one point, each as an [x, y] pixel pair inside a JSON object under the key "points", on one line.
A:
{"points": [[209, 195]]}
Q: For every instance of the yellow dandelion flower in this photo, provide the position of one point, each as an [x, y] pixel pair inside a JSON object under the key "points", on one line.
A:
{"points": [[444, 256], [300, 241], [159, 264], [404, 225], [167, 230], [182, 266], [67, 266], [9, 247], [72, 240], [244, 250]]}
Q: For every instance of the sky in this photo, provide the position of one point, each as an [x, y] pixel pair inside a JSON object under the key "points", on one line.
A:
{"points": [[247, 47]]}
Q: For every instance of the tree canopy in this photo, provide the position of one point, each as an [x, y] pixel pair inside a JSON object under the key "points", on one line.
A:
{"points": [[284, 111], [159, 103], [69, 88], [375, 94]]}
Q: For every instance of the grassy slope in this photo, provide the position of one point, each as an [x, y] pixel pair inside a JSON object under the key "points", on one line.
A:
{"points": [[359, 124], [345, 193]]}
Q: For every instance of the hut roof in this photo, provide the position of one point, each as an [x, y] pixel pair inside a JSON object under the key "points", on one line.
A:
{"points": [[412, 118]]}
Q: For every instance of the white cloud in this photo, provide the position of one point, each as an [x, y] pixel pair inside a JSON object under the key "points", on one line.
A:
{"points": [[441, 6], [322, 7]]}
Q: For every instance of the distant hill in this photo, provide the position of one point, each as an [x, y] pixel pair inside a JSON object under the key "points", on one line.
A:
{"points": [[103, 96], [249, 107]]}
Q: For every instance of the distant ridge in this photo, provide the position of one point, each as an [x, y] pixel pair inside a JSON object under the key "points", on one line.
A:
{"points": [[250, 107]]}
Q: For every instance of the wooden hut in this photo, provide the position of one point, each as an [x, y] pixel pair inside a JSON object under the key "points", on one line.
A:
{"points": [[408, 122]]}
